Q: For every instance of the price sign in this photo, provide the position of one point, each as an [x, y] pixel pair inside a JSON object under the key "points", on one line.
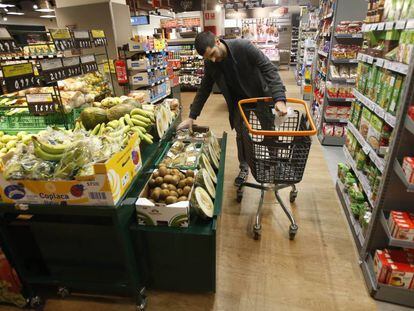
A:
{"points": [[72, 66], [7, 43], [389, 25], [390, 119], [379, 111], [381, 26], [40, 104], [82, 39], [62, 39], [400, 24], [89, 63], [98, 37], [380, 62], [52, 70], [19, 77]]}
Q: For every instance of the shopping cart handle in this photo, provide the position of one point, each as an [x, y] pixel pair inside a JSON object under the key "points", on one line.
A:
{"points": [[312, 131]]}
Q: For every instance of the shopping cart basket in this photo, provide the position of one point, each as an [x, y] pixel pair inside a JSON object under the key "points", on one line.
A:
{"points": [[276, 154]]}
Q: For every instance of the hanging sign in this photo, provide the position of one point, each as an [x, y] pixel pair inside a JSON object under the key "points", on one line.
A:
{"points": [[19, 77], [72, 66], [98, 37], [52, 70], [7, 43], [62, 39], [82, 39], [89, 63], [41, 104]]}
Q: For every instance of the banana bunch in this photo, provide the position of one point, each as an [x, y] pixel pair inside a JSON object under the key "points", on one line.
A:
{"points": [[8, 143], [47, 151]]}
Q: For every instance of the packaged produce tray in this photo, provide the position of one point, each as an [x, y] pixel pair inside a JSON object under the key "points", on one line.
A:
{"points": [[105, 188], [169, 153], [30, 123]]}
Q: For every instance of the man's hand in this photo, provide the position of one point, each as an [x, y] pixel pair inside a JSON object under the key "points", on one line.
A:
{"points": [[186, 124], [280, 108]]}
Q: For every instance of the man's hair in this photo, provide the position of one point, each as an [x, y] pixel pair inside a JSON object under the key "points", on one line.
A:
{"points": [[204, 40]]}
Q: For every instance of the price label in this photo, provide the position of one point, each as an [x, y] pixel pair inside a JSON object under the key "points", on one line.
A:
{"points": [[390, 119], [98, 37], [380, 62], [379, 111], [410, 24], [387, 64], [41, 104], [62, 39], [19, 77], [72, 66], [89, 63], [52, 70], [400, 25], [389, 25], [381, 26], [50, 64], [7, 43], [82, 39], [359, 57], [370, 59], [10, 71], [365, 147], [373, 26]]}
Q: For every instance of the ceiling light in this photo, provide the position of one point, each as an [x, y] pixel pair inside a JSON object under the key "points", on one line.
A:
{"points": [[15, 13], [35, 7], [45, 10], [218, 7], [5, 10], [2, 5], [5, 18], [47, 16], [44, 6]]}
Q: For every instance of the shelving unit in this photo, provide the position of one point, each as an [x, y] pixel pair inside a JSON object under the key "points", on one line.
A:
{"points": [[334, 11], [395, 193], [294, 46]]}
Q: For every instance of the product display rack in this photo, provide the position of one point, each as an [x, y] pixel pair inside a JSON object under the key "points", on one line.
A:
{"points": [[395, 192], [294, 46], [334, 11]]}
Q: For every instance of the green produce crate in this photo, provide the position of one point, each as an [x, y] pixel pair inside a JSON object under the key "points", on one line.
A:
{"points": [[30, 123], [179, 259]]}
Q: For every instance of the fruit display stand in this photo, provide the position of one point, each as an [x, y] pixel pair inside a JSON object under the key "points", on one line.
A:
{"points": [[182, 259]]}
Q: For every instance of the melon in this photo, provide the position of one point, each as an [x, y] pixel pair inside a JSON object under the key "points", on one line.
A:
{"points": [[205, 163], [203, 179], [202, 203]]}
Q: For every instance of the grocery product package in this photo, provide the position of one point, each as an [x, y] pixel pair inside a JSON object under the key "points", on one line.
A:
{"points": [[364, 123]]}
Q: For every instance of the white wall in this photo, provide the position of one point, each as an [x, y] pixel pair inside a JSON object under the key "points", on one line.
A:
{"points": [[148, 30], [68, 3], [20, 20]]}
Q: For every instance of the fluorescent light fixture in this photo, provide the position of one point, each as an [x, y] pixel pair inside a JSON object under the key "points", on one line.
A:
{"points": [[2, 5], [45, 10], [35, 6], [47, 16], [218, 7], [15, 13], [5, 18], [5, 10]]}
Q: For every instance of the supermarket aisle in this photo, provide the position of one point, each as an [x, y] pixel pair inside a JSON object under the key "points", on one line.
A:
{"points": [[317, 271]]}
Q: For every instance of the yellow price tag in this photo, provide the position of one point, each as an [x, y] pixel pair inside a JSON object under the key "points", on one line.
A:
{"points": [[60, 33], [97, 33], [17, 70], [111, 63]]}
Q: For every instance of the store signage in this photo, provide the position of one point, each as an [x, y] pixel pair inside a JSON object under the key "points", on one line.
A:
{"points": [[62, 39], [41, 104], [121, 71], [19, 77], [209, 15], [98, 37], [7, 43], [52, 70], [82, 39], [89, 63], [72, 66]]}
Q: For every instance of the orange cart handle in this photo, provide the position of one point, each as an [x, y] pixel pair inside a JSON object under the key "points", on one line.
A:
{"points": [[310, 132]]}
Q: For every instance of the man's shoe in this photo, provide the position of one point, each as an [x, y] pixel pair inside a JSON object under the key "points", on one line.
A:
{"points": [[241, 178]]}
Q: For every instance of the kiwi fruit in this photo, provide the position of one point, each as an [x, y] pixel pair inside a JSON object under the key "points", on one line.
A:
{"points": [[157, 188], [164, 193], [174, 194], [182, 176], [189, 181], [151, 183], [182, 198], [189, 173], [171, 200], [180, 191], [186, 190], [155, 195], [164, 185], [162, 171], [159, 180], [181, 184], [168, 179], [155, 174], [171, 187], [169, 171], [175, 172], [176, 180]]}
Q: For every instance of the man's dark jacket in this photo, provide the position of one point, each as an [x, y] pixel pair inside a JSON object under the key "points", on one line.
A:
{"points": [[257, 76]]}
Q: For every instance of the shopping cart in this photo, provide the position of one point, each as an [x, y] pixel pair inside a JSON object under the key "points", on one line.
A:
{"points": [[276, 153]]}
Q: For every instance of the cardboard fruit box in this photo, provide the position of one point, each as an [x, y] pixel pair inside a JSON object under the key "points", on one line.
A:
{"points": [[105, 188]]}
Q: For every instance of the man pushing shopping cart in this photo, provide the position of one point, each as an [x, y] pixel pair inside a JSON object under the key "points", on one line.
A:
{"points": [[242, 72]]}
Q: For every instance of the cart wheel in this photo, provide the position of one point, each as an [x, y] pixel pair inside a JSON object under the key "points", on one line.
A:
{"points": [[292, 196], [63, 292], [142, 300], [293, 229], [257, 232], [239, 195], [36, 303]]}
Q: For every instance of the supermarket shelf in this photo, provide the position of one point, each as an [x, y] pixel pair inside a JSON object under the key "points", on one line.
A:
{"points": [[149, 69], [393, 241], [322, 53], [378, 161], [344, 61], [384, 63], [401, 24], [343, 80], [333, 120], [385, 292], [341, 99], [400, 173], [361, 177], [137, 86], [349, 35], [28, 57], [353, 223], [180, 41], [409, 124], [374, 107], [331, 140]]}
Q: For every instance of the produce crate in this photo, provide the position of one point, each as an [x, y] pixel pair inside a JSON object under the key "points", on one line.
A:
{"points": [[179, 259], [30, 123]]}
